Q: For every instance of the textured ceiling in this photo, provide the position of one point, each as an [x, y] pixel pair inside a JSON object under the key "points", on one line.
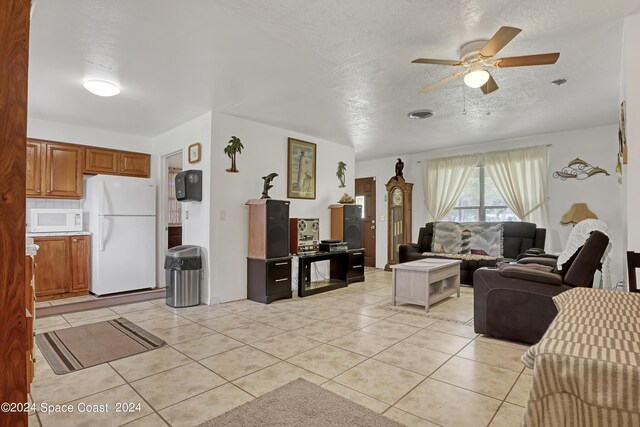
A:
{"points": [[335, 69]]}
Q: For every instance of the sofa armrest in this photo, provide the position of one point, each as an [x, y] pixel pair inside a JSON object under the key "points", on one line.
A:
{"points": [[409, 252], [530, 252], [551, 262], [529, 274]]}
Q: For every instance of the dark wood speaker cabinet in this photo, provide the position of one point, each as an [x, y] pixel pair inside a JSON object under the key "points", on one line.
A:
{"points": [[269, 280], [268, 261], [346, 224]]}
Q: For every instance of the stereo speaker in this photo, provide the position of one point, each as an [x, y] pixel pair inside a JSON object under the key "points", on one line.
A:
{"points": [[189, 186], [268, 228], [346, 224]]}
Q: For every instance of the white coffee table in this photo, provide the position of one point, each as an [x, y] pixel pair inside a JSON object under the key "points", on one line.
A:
{"points": [[426, 281]]}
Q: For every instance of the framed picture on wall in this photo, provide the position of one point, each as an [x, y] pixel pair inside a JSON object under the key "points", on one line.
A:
{"points": [[301, 169]]}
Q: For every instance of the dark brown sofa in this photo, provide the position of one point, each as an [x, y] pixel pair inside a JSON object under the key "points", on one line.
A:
{"points": [[518, 238], [516, 303]]}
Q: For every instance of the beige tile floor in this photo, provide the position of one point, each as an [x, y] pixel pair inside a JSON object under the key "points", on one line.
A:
{"points": [[417, 369]]}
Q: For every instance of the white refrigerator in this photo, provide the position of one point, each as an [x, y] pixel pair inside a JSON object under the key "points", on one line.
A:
{"points": [[121, 216]]}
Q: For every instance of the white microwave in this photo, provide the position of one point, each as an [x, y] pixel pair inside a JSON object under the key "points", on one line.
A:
{"points": [[55, 220]]}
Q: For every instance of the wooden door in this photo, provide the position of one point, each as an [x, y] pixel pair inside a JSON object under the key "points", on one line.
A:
{"points": [[63, 170], [52, 265], [366, 196], [100, 160], [79, 263], [34, 168], [134, 164]]}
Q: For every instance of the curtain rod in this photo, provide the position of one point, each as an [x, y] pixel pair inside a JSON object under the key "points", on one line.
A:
{"points": [[488, 152]]}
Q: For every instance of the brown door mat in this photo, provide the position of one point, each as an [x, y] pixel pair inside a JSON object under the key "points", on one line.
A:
{"points": [[110, 301], [80, 347]]}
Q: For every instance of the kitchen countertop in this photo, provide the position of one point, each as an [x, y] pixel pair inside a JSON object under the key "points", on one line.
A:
{"points": [[60, 233], [31, 248]]}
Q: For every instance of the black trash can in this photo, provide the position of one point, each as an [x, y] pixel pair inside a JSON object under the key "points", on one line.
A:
{"points": [[184, 271]]}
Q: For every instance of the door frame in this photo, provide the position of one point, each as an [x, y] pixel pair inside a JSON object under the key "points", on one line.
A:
{"points": [[163, 197]]}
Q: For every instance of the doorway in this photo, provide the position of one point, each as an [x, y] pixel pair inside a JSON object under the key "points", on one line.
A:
{"points": [[366, 197], [173, 212]]}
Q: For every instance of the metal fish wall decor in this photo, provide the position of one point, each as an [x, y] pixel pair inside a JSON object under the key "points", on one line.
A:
{"points": [[578, 169]]}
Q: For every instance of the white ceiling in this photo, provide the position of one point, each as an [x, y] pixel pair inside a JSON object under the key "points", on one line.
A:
{"points": [[335, 69]]}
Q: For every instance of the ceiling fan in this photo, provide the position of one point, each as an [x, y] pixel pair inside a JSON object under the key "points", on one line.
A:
{"points": [[476, 56]]}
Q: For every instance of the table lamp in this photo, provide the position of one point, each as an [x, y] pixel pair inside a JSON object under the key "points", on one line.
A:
{"points": [[577, 213]]}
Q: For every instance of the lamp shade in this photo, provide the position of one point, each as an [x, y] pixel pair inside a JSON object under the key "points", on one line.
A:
{"points": [[577, 213]]}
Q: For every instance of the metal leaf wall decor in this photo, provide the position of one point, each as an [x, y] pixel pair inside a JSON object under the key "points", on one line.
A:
{"points": [[578, 169]]}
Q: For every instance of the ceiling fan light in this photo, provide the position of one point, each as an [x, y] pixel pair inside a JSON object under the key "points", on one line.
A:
{"points": [[101, 88], [476, 78]]}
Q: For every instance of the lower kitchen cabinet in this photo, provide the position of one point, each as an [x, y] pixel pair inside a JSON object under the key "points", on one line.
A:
{"points": [[62, 267]]}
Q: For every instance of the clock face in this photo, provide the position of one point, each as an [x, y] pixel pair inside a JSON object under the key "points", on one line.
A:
{"points": [[396, 197]]}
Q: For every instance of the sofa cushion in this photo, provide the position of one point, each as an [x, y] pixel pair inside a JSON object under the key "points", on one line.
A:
{"points": [[518, 237]]}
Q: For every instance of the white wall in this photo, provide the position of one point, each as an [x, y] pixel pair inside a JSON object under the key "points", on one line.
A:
{"points": [[195, 218], [63, 132], [603, 194], [631, 95], [265, 152]]}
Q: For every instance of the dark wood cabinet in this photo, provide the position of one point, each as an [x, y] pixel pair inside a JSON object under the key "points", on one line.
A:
{"points": [[355, 266], [134, 164], [100, 160], [62, 267], [268, 279], [174, 236]]}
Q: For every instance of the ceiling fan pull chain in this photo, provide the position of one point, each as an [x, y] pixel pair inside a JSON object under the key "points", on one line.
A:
{"points": [[488, 107]]}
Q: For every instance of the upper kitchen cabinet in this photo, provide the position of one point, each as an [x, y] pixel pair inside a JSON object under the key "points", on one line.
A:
{"points": [[63, 170], [100, 160], [113, 162], [54, 169], [134, 164], [34, 168]]}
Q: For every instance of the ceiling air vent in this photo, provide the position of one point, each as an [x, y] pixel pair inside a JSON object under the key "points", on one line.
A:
{"points": [[420, 114]]}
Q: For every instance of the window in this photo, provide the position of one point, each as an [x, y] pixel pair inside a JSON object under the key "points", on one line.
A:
{"points": [[480, 201]]}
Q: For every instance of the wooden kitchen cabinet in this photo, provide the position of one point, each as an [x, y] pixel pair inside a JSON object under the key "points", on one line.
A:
{"points": [[54, 169], [63, 170], [79, 263], [100, 160], [134, 164], [62, 267], [34, 168]]}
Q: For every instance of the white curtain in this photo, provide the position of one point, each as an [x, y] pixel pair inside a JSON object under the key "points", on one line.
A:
{"points": [[174, 210], [520, 177], [443, 182]]}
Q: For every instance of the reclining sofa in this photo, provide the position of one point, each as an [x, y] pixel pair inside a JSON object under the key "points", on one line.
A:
{"points": [[518, 238]]}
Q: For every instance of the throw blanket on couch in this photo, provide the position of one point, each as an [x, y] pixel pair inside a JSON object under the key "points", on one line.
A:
{"points": [[476, 238]]}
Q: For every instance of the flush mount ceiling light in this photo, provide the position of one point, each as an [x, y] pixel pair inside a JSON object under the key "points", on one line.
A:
{"points": [[420, 114], [476, 78], [101, 88]]}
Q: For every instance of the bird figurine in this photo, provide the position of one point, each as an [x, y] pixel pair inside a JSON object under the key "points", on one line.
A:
{"points": [[267, 185]]}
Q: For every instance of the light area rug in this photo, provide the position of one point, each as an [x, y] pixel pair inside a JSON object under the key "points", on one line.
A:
{"points": [[300, 403], [72, 349]]}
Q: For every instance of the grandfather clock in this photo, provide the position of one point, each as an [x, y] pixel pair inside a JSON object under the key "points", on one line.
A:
{"points": [[399, 217]]}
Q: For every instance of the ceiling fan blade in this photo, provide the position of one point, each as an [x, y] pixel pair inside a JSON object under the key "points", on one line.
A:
{"points": [[441, 82], [525, 61], [436, 61], [489, 86], [499, 40]]}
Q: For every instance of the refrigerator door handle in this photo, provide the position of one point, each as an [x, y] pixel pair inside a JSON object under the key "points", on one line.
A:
{"points": [[101, 232]]}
